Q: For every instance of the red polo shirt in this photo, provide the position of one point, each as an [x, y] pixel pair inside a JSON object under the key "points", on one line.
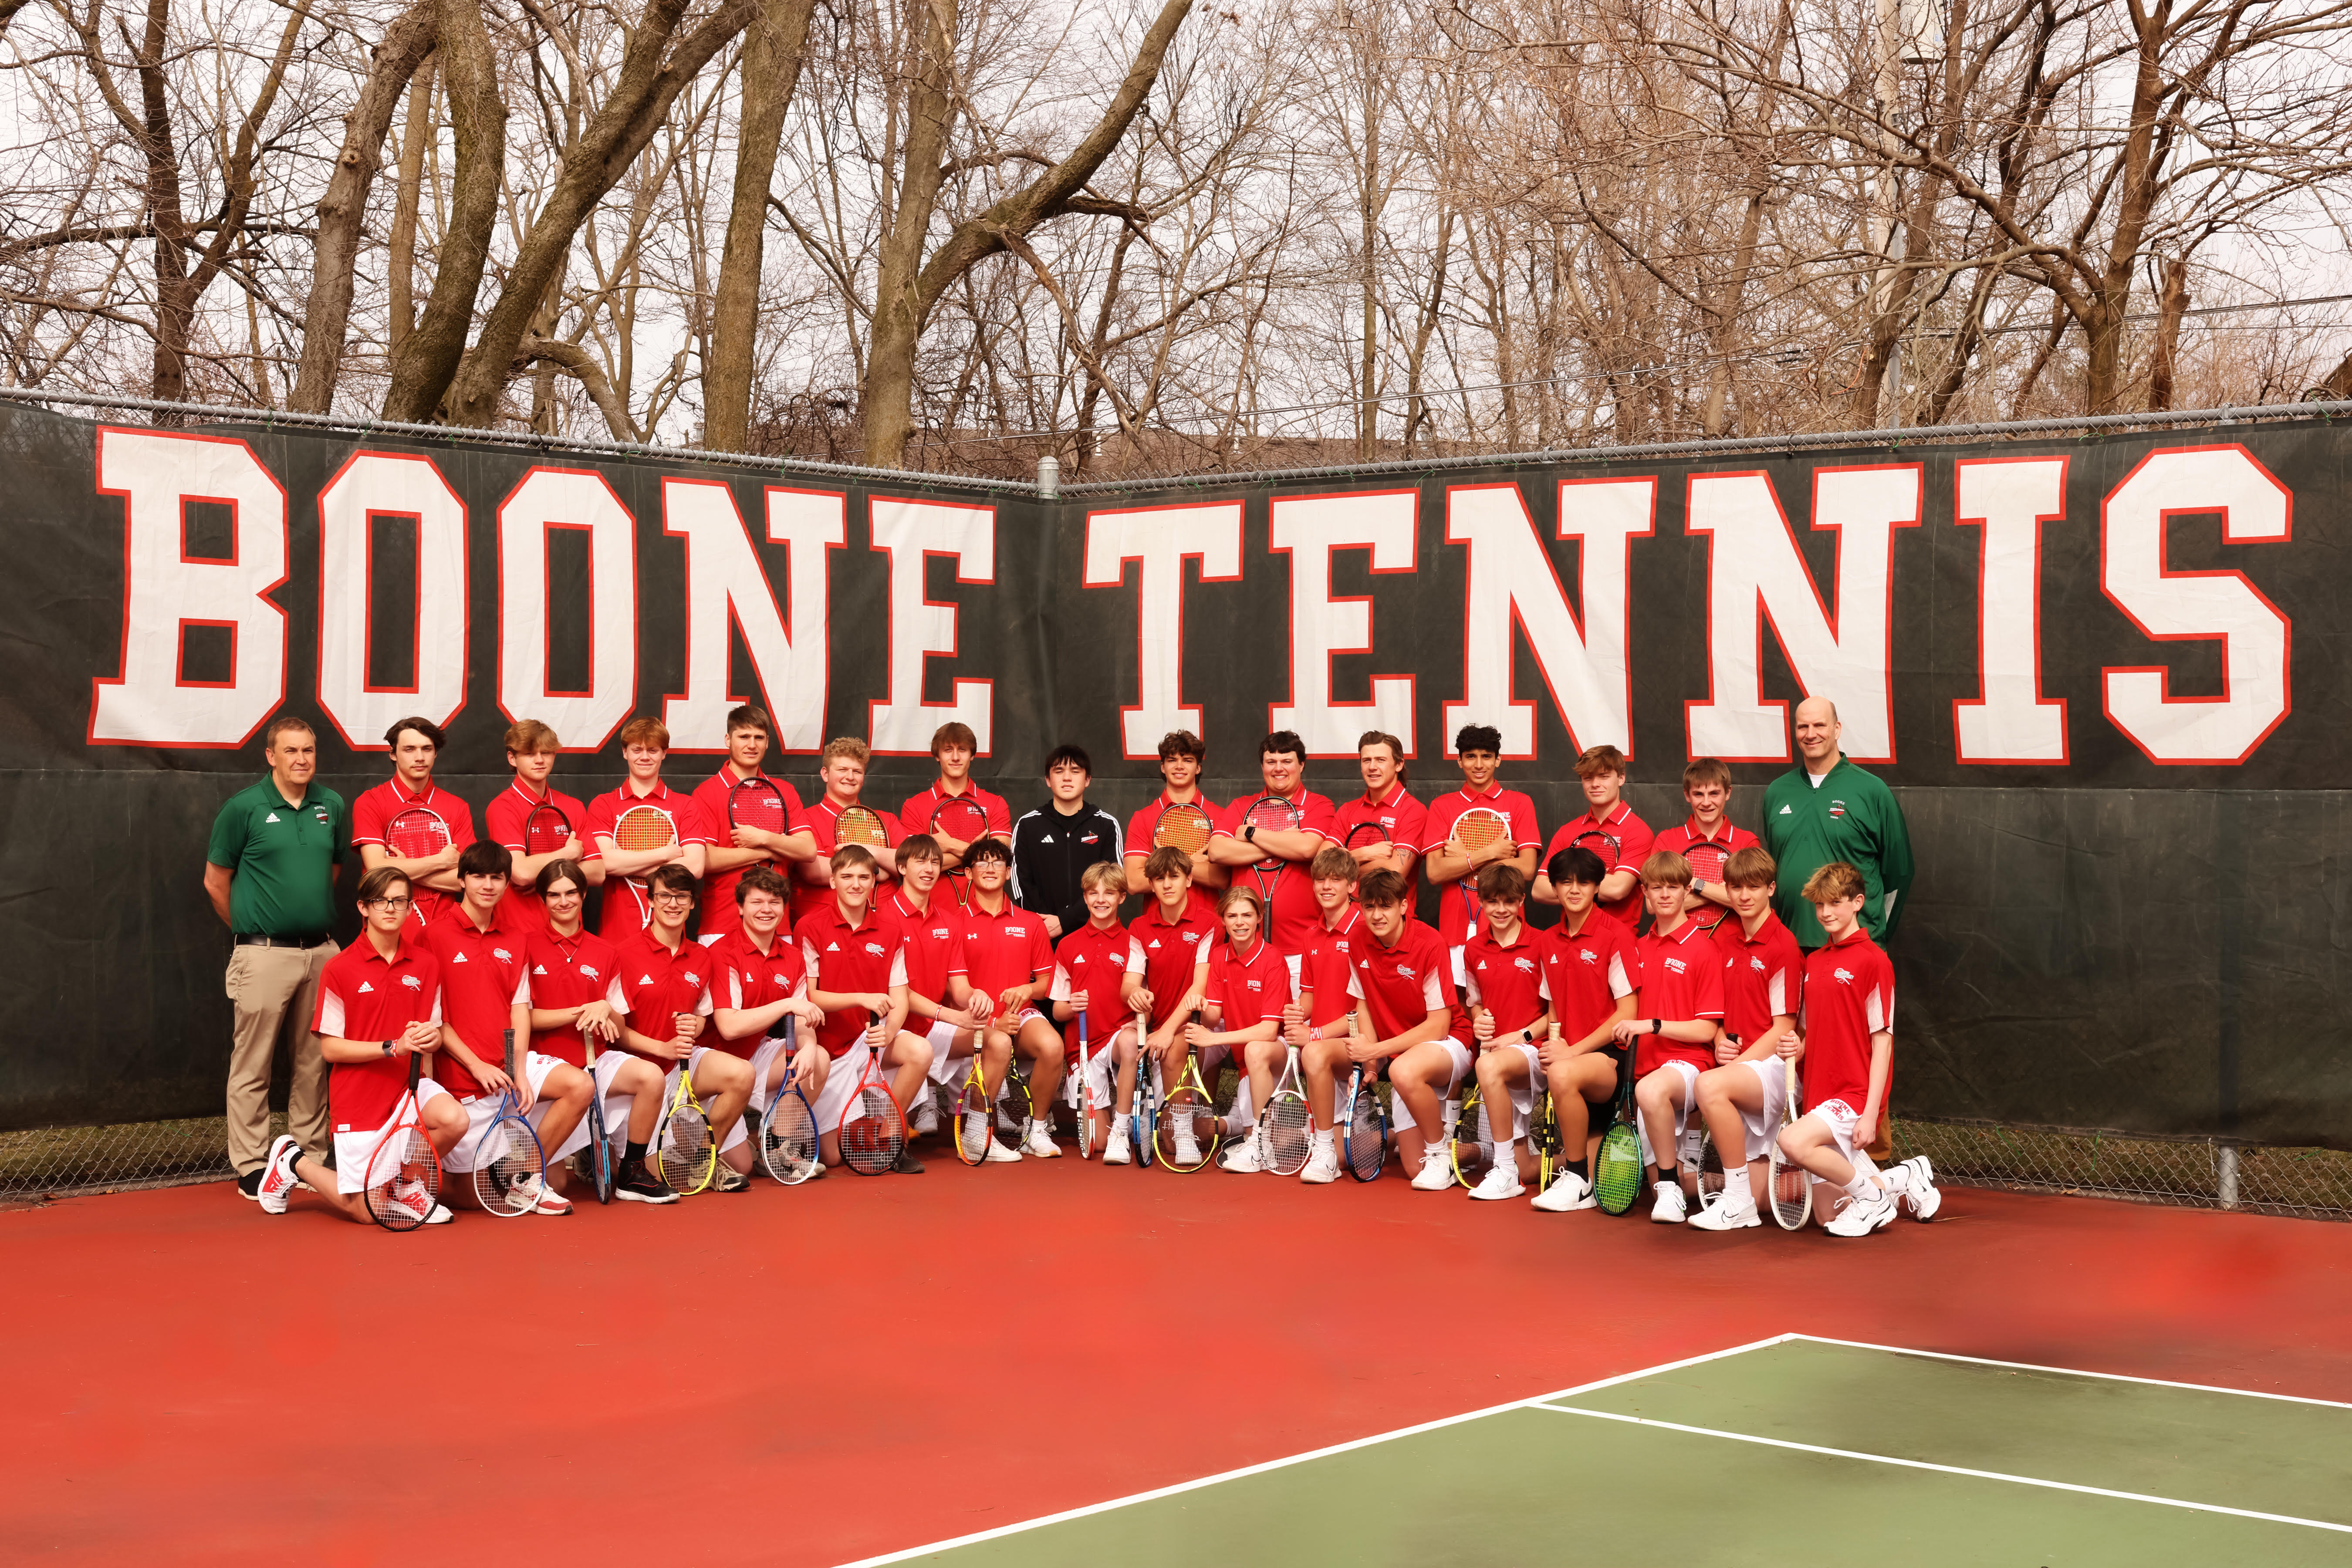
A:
{"points": [[658, 984], [365, 996], [568, 972], [1681, 980], [1003, 950], [1632, 837], [934, 938], [375, 808], [1172, 953], [748, 978], [1454, 921], [503, 819], [1406, 819], [1505, 981], [1849, 996], [870, 955], [1249, 990], [1763, 975], [820, 818], [915, 816], [485, 976], [1586, 972], [627, 911], [1404, 983], [717, 911], [1145, 822], [1327, 971], [1682, 835], [1095, 960], [1295, 917]]}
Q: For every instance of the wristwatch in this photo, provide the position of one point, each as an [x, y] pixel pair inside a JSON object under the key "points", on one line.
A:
{"points": [[387, 1047], [1526, 1036], [1656, 1028], [1249, 834]]}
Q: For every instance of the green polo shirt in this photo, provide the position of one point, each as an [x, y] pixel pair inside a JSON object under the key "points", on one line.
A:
{"points": [[1849, 815], [282, 857]]}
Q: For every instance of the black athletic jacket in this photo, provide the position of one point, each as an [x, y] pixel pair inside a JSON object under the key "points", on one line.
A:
{"points": [[1050, 851]]}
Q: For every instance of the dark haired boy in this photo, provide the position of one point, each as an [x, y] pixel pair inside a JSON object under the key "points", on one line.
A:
{"points": [[1286, 853], [1674, 1023], [1763, 990], [1590, 972], [415, 744], [1453, 867], [1182, 754], [1054, 845]]}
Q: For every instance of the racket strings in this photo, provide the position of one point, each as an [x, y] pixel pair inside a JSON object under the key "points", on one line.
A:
{"points": [[756, 804], [644, 827], [503, 1186], [1182, 828], [859, 826], [1288, 1132], [1367, 1140], [417, 835], [686, 1147], [547, 830], [871, 1137]]}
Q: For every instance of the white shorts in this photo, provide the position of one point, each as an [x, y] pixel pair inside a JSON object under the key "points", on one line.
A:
{"points": [[352, 1149], [1764, 1125], [1461, 1058], [1841, 1120], [1102, 1071], [735, 1134], [483, 1109], [840, 1078], [1688, 1073], [946, 1067], [1523, 1095]]}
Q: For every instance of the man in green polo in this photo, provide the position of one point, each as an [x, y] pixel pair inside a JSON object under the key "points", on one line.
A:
{"points": [[1827, 809], [271, 873]]}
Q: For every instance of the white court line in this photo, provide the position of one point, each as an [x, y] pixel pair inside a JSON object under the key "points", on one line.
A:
{"points": [[2075, 1372], [1945, 1470], [1533, 1401]]}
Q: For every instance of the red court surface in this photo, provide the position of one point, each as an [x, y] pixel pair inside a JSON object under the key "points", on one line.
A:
{"points": [[858, 1366]]}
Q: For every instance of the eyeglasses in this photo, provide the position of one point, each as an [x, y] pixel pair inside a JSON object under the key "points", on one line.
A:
{"points": [[395, 903], [670, 896]]}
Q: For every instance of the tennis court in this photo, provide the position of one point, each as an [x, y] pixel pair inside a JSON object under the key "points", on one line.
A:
{"points": [[1773, 1452]]}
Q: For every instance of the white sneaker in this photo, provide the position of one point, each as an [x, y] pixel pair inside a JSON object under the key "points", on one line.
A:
{"points": [[1727, 1214], [1502, 1181], [1670, 1208], [1188, 1147], [1323, 1164], [278, 1182], [1859, 1217], [1243, 1157], [1920, 1196], [1117, 1151], [1436, 1172], [975, 1137], [923, 1116], [1040, 1144], [1567, 1192], [546, 1200]]}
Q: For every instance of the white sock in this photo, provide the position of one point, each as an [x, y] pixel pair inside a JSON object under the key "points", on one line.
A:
{"points": [[1669, 1187], [1735, 1187], [1862, 1187], [1324, 1136], [1503, 1147], [1895, 1180]]}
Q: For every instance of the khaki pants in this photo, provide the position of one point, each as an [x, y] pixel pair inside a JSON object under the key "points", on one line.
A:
{"points": [[268, 987]]}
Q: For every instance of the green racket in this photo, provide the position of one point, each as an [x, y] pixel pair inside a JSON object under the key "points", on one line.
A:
{"points": [[1617, 1174]]}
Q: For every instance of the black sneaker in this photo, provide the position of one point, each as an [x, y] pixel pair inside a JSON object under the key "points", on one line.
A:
{"points": [[248, 1186], [632, 1184], [907, 1164]]}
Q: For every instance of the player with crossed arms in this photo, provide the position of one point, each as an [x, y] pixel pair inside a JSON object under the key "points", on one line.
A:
{"points": [[1610, 830], [1480, 824], [755, 820], [412, 825], [1180, 818], [641, 826], [1384, 828], [1276, 836], [539, 823], [379, 1006]]}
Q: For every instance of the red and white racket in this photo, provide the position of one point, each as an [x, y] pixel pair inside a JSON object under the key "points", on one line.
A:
{"points": [[643, 828], [416, 833], [1473, 830]]}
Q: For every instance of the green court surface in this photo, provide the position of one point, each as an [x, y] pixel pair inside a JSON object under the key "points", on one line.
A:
{"points": [[1789, 1450]]}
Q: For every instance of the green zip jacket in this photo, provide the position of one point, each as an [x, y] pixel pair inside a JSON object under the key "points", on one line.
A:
{"points": [[1849, 815]]}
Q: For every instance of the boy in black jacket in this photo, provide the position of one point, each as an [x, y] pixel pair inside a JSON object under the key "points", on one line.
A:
{"points": [[1055, 844]]}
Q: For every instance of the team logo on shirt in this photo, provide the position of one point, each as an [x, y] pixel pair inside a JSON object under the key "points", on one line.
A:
{"points": [[1837, 808], [1009, 931], [1587, 955], [942, 932], [1676, 966], [502, 955], [692, 978], [873, 950], [1255, 986], [1756, 964], [589, 970], [1524, 965], [1842, 976], [1405, 972], [412, 982]]}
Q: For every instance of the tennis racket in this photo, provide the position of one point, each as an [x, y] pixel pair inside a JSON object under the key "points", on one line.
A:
{"points": [[416, 833], [1183, 826], [546, 829], [1543, 1128], [861, 825], [1617, 1174], [964, 819], [788, 1140], [1607, 846], [684, 1155], [1013, 1105], [1365, 833], [873, 1133], [972, 1129], [1366, 1131], [1792, 1184], [1287, 1126], [1473, 830], [756, 802], [600, 1137], [1702, 1172], [1084, 1096], [404, 1174], [508, 1159], [643, 828], [1706, 858], [1270, 812], [1470, 1133], [1189, 1128], [1142, 1107]]}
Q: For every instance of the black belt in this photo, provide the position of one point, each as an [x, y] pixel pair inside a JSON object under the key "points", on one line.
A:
{"points": [[255, 939]]}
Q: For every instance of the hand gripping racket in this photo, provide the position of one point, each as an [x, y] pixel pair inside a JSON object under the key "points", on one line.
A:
{"points": [[416, 833], [684, 1154], [1183, 826], [966, 820], [600, 1137], [1189, 1130], [873, 1133], [643, 828], [1287, 1126], [546, 829], [1270, 812], [1143, 1107], [757, 804], [1084, 1096], [1544, 1129], [1473, 830], [508, 1159], [1617, 1174], [788, 1140], [1792, 1184], [404, 1174]]}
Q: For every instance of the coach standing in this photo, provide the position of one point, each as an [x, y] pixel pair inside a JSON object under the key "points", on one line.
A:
{"points": [[271, 873], [1827, 809]]}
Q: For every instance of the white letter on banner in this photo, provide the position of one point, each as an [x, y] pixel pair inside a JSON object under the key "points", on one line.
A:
{"points": [[165, 591], [2010, 499], [1308, 528], [726, 586], [1511, 581], [1754, 569], [912, 532], [2255, 508], [568, 497], [1162, 539], [388, 484]]}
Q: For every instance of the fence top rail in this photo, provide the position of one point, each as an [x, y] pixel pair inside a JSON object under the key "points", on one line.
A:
{"points": [[1903, 435]]}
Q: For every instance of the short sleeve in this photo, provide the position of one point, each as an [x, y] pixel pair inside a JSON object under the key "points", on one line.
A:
{"points": [[328, 1019], [1134, 956], [1319, 815], [521, 997], [1707, 995], [227, 843], [615, 998], [1526, 832], [1062, 988]]}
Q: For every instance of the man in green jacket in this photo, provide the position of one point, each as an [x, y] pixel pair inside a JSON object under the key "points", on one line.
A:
{"points": [[1827, 809]]}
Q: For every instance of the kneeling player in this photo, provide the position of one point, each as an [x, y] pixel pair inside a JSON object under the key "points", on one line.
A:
{"points": [[1589, 966], [1503, 984], [1096, 970], [939, 1004], [666, 980], [379, 1004], [1763, 983], [577, 1008], [1406, 977], [1849, 1051], [1675, 1023], [1249, 984], [762, 981]]}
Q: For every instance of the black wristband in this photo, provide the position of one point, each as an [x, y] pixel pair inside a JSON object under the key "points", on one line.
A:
{"points": [[1656, 1028]]}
